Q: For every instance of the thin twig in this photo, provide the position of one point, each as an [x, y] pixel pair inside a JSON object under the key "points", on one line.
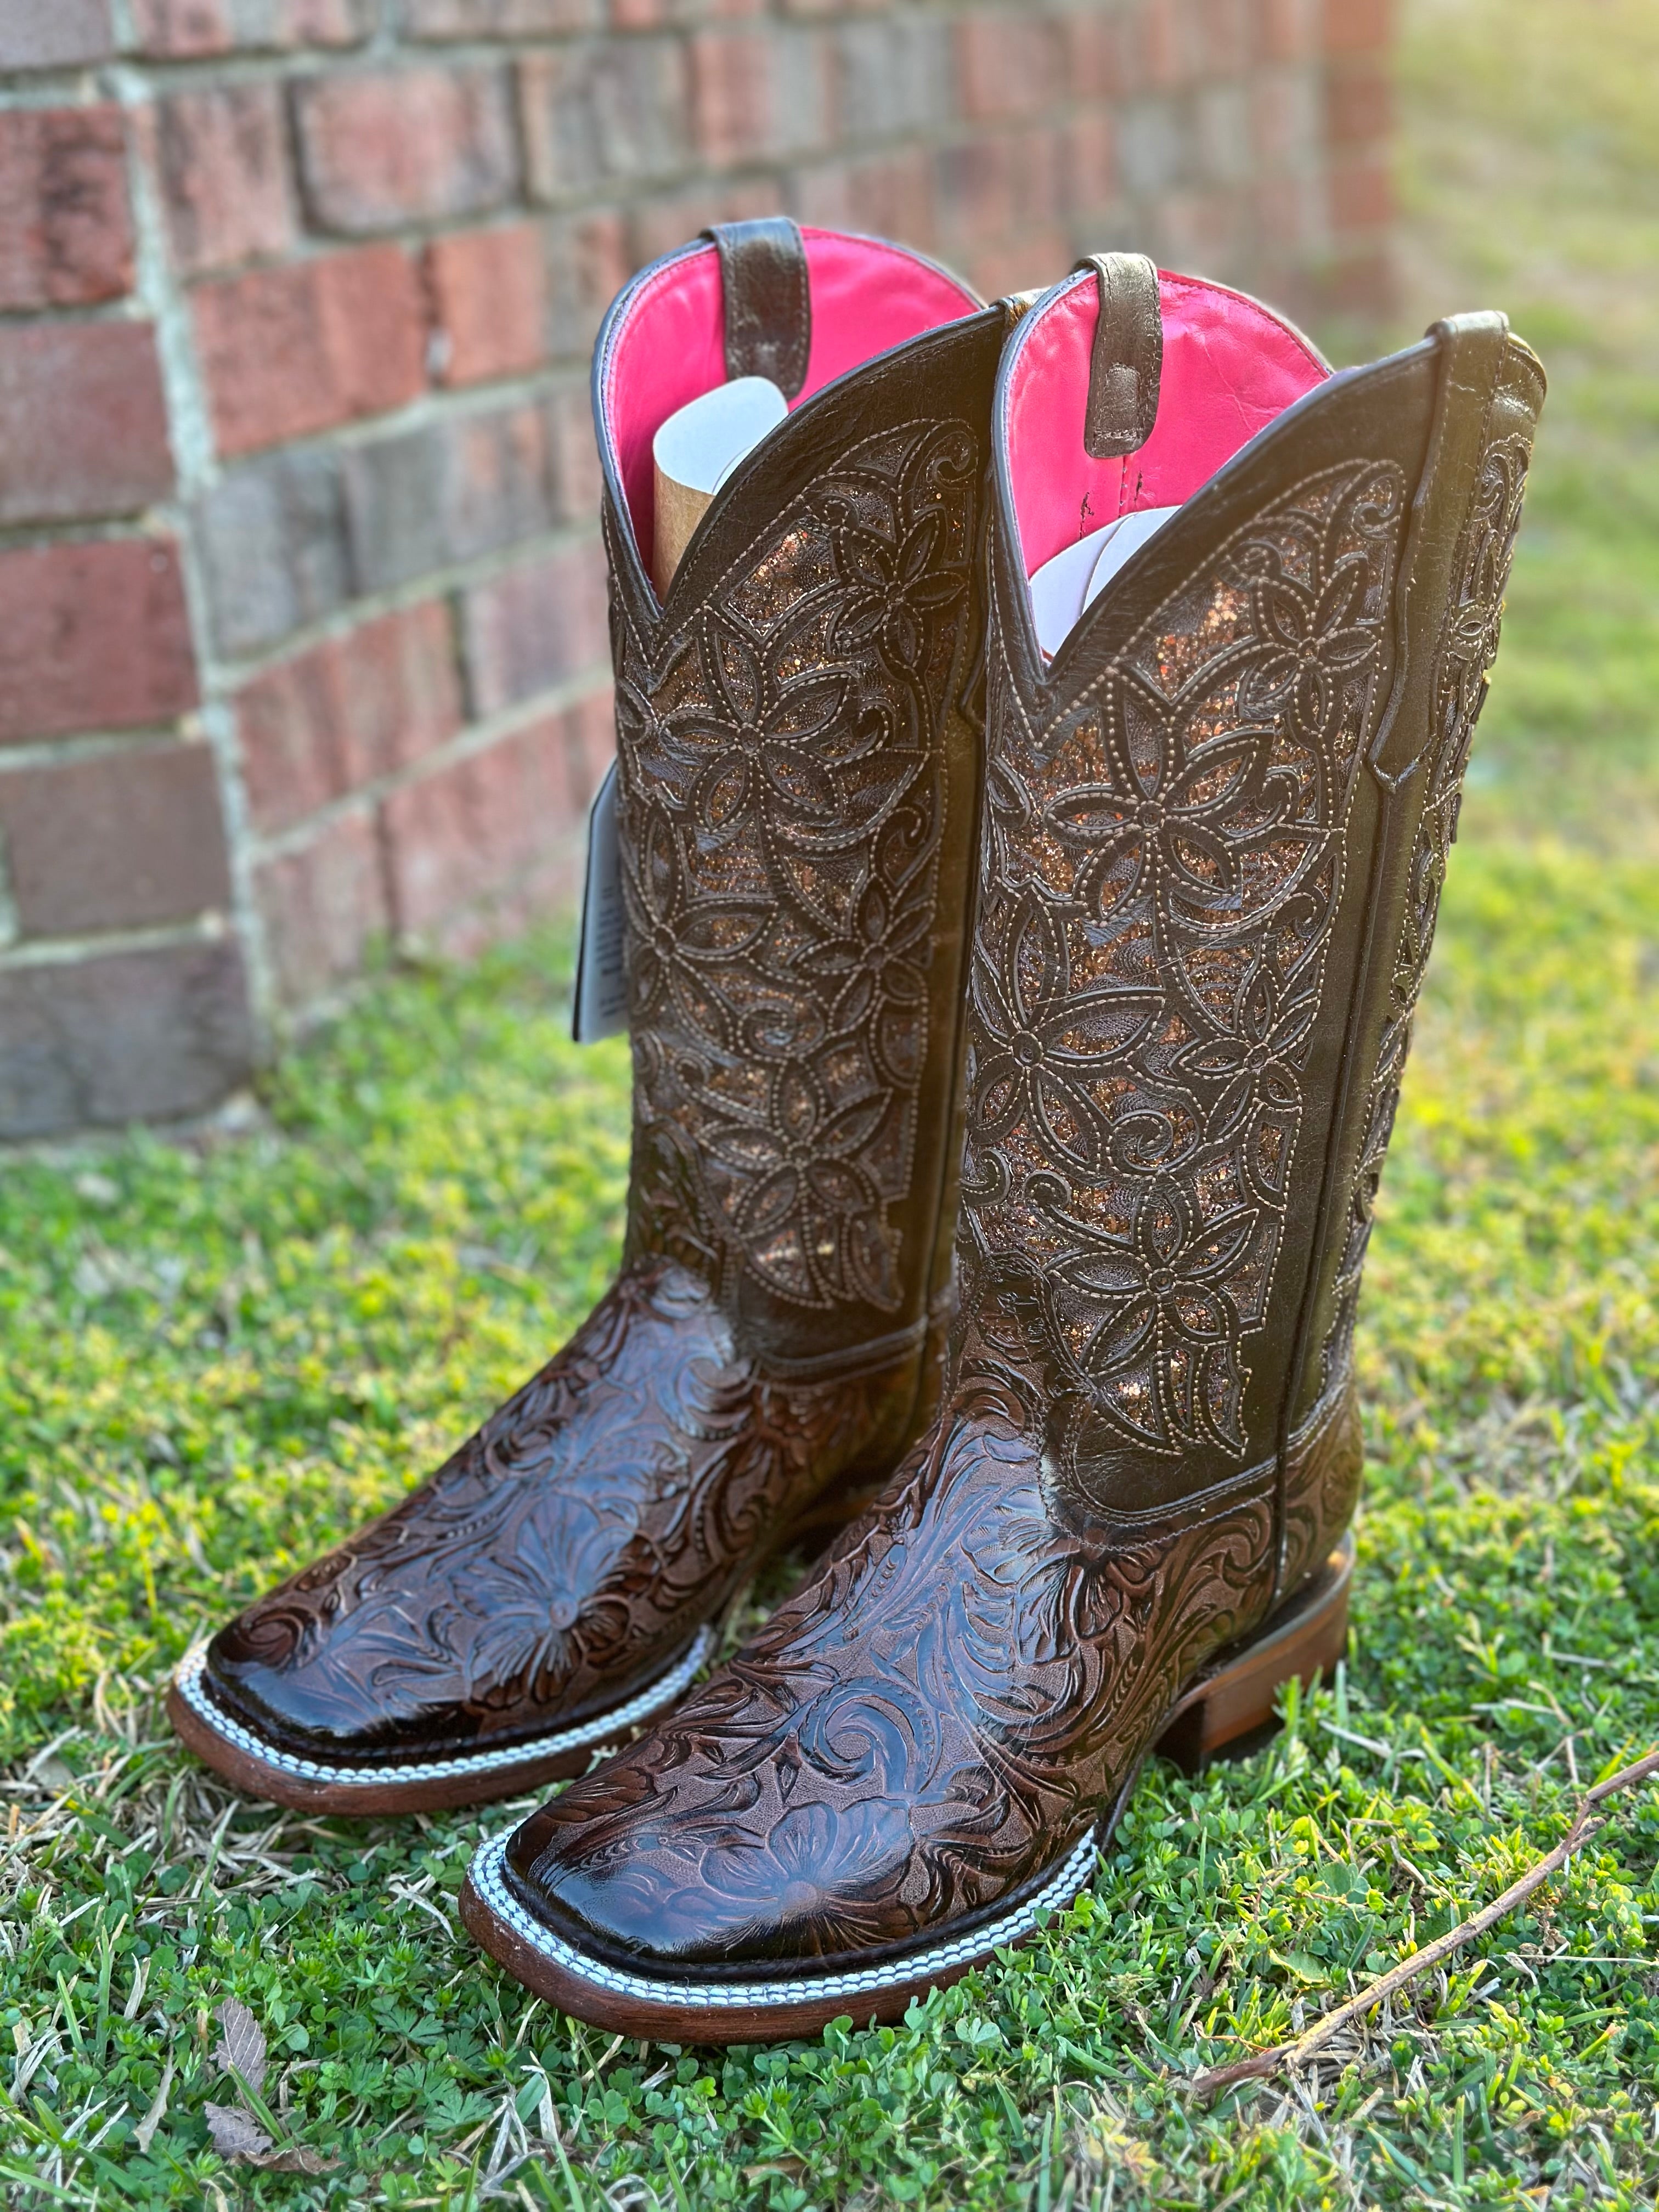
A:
{"points": [[1213, 2078]]}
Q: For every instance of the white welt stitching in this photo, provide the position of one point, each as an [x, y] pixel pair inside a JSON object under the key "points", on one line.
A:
{"points": [[651, 1699], [914, 1971]]}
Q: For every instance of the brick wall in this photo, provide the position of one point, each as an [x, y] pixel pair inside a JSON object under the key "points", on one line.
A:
{"points": [[302, 640]]}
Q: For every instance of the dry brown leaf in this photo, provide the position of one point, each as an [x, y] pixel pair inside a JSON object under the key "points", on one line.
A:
{"points": [[241, 2048], [296, 2158], [237, 2134]]}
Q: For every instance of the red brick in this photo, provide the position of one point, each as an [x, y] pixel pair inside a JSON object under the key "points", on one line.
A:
{"points": [[95, 637], [588, 262], [323, 906], [1278, 121], [1021, 263], [1002, 189], [1088, 161], [574, 454], [1222, 32], [602, 111], [975, 186], [499, 19], [754, 93], [178, 30], [1362, 195], [1364, 284], [463, 833], [1007, 65], [591, 739], [1358, 104], [663, 15], [415, 145], [324, 22], [446, 490], [65, 230], [129, 1036], [1160, 50], [347, 713], [182, 29], [889, 194], [733, 99], [221, 164], [1092, 62], [1282, 214], [1358, 26], [53, 34], [657, 225], [126, 839], [289, 351], [489, 294], [1286, 30], [536, 626], [85, 426]]}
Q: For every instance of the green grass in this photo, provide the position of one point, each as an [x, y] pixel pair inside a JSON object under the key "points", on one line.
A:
{"points": [[218, 1357]]}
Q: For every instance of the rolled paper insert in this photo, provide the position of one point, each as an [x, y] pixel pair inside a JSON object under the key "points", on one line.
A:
{"points": [[1063, 587], [694, 451]]}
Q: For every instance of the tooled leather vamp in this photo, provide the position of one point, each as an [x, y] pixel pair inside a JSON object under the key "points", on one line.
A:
{"points": [[961, 1692], [567, 1552]]}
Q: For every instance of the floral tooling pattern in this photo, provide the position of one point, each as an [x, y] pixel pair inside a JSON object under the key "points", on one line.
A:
{"points": [[1165, 863], [932, 1721], [569, 1549], [783, 796]]}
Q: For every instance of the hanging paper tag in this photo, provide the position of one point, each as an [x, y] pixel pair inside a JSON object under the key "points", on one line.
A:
{"points": [[601, 1006]]}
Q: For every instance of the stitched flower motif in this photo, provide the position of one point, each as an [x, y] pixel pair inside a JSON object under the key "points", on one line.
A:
{"points": [[782, 783], [802, 1201], [1256, 1058], [1183, 820], [1164, 1320], [880, 962], [1162, 846], [896, 588], [1038, 1039], [677, 938], [1314, 638], [764, 737]]}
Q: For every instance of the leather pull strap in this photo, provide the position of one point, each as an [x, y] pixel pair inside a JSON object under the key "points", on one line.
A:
{"points": [[768, 300], [1127, 361]]}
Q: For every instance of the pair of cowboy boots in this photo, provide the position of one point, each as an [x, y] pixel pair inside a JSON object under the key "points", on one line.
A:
{"points": [[1016, 1041]]}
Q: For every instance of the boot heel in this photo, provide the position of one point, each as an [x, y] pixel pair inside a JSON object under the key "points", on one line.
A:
{"points": [[1229, 1708]]}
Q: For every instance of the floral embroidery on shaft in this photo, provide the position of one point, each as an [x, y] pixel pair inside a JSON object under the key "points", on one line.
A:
{"points": [[1165, 854], [783, 791]]}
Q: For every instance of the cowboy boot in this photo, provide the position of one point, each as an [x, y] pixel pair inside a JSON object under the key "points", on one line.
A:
{"points": [[1214, 836], [798, 729]]}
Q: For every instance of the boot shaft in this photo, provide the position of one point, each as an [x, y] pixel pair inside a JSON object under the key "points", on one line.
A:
{"points": [[1214, 836], [799, 727]]}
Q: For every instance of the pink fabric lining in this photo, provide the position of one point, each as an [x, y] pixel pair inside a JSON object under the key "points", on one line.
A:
{"points": [[1230, 367], [670, 348]]}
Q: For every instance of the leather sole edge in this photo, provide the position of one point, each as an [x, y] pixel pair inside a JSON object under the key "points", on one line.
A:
{"points": [[311, 1785]]}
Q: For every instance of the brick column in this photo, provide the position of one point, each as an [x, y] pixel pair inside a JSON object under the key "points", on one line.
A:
{"points": [[122, 990], [1359, 37], [302, 630]]}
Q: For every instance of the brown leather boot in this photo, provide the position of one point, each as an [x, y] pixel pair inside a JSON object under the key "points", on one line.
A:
{"points": [[1216, 827], [798, 730]]}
